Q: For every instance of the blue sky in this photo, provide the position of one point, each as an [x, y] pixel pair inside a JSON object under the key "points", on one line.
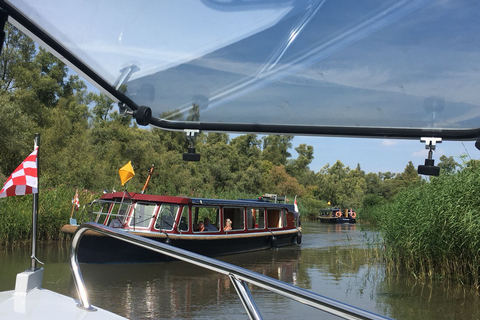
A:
{"points": [[379, 155]]}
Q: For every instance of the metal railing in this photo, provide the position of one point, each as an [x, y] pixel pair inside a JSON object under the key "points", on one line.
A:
{"points": [[239, 276]]}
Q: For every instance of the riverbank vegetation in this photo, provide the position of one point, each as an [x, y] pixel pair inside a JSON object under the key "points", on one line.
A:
{"points": [[432, 229]]}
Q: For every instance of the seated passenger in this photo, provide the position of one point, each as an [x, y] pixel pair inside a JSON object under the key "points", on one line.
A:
{"points": [[208, 226], [116, 223], [228, 225], [201, 227]]}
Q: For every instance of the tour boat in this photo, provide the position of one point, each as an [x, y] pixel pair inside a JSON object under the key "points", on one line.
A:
{"points": [[235, 226], [334, 215]]}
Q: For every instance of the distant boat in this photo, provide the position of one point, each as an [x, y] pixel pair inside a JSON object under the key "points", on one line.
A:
{"points": [[336, 215], [211, 227]]}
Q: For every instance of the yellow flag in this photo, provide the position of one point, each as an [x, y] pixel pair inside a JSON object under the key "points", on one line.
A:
{"points": [[126, 172]]}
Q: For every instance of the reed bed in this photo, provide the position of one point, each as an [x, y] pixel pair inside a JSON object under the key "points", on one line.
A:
{"points": [[433, 230], [54, 209]]}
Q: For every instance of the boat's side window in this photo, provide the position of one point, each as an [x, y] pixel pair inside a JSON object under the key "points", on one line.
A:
{"points": [[122, 211], [236, 216], [274, 218], [116, 214], [203, 214], [101, 209], [256, 218], [183, 226], [166, 216], [142, 215]]}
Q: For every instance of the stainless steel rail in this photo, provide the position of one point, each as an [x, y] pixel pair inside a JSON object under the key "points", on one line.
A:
{"points": [[239, 276]]}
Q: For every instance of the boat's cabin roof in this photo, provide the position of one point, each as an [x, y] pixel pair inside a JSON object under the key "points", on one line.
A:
{"points": [[331, 210], [138, 197]]}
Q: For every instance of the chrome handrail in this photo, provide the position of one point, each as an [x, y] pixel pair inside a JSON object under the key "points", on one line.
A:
{"points": [[238, 275]]}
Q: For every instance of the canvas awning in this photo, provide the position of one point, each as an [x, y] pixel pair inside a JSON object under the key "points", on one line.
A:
{"points": [[346, 68]]}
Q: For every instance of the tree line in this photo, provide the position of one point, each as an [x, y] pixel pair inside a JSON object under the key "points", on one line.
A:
{"points": [[85, 141]]}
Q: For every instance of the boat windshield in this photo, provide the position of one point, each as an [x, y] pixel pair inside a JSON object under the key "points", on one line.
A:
{"points": [[351, 67], [166, 216], [142, 215]]}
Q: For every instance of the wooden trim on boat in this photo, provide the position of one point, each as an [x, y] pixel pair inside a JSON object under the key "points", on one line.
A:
{"points": [[69, 229]]}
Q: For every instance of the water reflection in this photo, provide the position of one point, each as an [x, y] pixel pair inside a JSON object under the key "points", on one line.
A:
{"points": [[409, 298], [332, 261], [176, 289]]}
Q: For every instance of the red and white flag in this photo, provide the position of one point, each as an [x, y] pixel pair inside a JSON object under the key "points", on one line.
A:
{"points": [[24, 180], [76, 201], [295, 204]]}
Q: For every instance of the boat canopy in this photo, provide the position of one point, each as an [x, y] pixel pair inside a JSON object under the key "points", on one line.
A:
{"points": [[391, 68], [243, 202]]}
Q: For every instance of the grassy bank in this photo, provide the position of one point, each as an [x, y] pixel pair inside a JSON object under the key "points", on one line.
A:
{"points": [[54, 210], [433, 230]]}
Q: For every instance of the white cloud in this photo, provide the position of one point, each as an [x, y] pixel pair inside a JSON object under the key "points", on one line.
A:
{"points": [[389, 143], [420, 154]]}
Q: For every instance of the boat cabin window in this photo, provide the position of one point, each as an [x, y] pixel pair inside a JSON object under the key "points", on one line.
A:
{"points": [[183, 226], [142, 215], [203, 212], [256, 218], [118, 214], [236, 216], [275, 218], [166, 216], [102, 211], [111, 213]]}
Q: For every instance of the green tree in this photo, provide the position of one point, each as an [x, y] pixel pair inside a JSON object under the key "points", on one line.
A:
{"points": [[373, 183], [16, 126], [278, 181], [448, 165], [275, 148], [299, 167], [408, 177]]}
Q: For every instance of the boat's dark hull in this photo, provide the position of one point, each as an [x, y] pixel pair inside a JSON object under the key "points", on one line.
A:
{"points": [[101, 249], [337, 220]]}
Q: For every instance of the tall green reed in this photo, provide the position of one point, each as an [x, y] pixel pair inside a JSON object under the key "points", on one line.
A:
{"points": [[55, 207], [433, 230]]}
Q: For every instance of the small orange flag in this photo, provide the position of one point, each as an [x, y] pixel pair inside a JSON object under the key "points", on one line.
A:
{"points": [[126, 172]]}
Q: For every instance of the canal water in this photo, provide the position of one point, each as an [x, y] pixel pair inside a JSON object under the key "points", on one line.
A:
{"points": [[332, 260]]}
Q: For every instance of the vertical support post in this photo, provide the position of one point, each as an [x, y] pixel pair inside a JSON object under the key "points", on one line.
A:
{"points": [[35, 207], [3, 21], [246, 297], [77, 273]]}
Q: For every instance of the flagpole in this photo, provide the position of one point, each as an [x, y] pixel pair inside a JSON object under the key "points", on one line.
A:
{"points": [[148, 178], [35, 207], [74, 203]]}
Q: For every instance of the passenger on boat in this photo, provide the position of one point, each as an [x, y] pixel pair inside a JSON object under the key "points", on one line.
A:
{"points": [[228, 225], [201, 226], [115, 223], [208, 226]]}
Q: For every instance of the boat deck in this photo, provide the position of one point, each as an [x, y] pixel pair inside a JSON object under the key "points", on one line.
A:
{"points": [[46, 304], [30, 301]]}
